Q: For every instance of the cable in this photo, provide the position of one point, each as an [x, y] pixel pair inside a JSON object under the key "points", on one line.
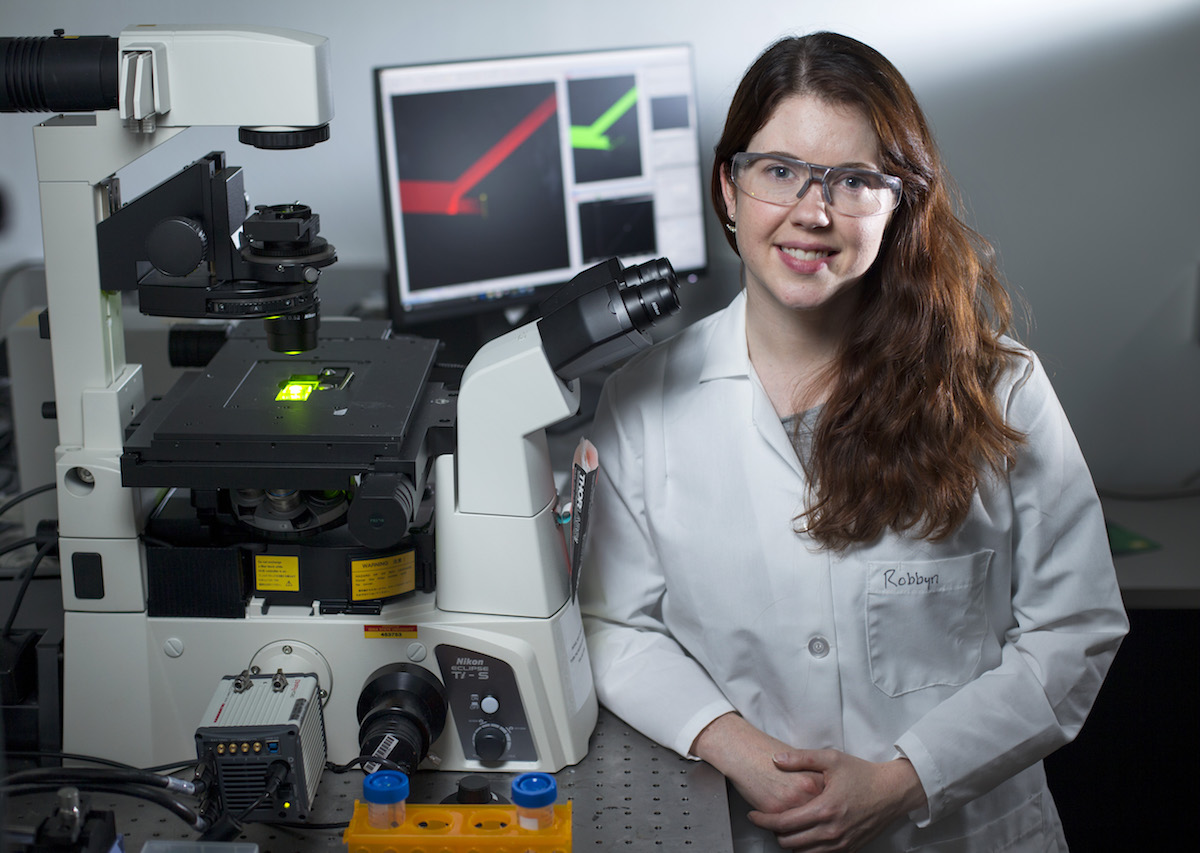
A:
{"points": [[26, 496], [72, 756], [13, 546], [41, 576], [29, 573], [292, 825], [228, 826], [358, 762], [275, 776], [20, 543], [174, 765], [153, 795], [107, 775]]}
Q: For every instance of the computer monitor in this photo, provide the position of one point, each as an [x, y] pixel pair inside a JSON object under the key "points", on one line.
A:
{"points": [[503, 178]]}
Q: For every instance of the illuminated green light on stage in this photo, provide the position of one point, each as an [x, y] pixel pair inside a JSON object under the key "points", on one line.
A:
{"points": [[296, 389]]}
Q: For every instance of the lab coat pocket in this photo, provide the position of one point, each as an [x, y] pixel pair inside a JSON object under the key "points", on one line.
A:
{"points": [[926, 621]]}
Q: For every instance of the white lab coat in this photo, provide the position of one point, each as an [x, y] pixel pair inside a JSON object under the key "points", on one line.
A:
{"points": [[974, 657]]}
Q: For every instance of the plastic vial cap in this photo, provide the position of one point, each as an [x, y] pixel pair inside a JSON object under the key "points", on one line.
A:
{"points": [[534, 790], [386, 787]]}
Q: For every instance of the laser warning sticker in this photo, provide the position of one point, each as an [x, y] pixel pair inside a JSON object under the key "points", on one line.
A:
{"points": [[383, 577], [275, 573]]}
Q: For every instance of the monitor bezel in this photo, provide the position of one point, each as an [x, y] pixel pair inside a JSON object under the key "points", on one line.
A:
{"points": [[513, 305]]}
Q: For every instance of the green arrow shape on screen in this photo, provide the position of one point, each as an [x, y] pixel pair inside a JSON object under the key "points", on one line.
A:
{"points": [[592, 136]]}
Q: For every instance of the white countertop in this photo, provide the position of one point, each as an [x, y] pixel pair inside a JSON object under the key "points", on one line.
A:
{"points": [[1167, 576]]}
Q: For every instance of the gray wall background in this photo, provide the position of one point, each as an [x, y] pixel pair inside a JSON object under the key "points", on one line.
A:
{"points": [[1072, 128]]}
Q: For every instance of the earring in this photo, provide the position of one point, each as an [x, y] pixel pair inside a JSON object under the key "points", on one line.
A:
{"points": [[732, 227]]}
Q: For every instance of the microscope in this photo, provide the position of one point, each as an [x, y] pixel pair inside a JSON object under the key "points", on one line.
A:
{"points": [[315, 514]]}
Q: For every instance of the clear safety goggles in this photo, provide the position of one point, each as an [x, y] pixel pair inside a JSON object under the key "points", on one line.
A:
{"points": [[784, 181]]}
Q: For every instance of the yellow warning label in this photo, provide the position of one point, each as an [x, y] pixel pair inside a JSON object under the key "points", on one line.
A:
{"points": [[274, 573], [383, 577], [390, 632]]}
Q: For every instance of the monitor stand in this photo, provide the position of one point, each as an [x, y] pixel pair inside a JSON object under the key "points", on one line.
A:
{"points": [[461, 337]]}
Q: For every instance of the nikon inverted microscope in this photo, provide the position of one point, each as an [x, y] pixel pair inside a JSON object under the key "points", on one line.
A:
{"points": [[316, 511]]}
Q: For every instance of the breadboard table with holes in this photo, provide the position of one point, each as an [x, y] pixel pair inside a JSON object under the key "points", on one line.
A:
{"points": [[628, 794]]}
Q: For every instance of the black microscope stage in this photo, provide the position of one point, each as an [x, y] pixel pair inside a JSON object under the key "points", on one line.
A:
{"points": [[254, 418]]}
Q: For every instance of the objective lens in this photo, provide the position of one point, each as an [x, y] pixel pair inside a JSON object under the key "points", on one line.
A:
{"points": [[291, 333]]}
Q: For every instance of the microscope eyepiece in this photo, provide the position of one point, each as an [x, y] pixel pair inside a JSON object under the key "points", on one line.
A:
{"points": [[650, 293], [57, 74], [601, 315]]}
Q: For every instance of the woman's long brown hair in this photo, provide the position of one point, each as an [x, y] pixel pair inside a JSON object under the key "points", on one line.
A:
{"points": [[911, 424]]}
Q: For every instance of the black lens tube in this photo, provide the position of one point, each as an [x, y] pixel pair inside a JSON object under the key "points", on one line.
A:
{"points": [[401, 712], [292, 333], [58, 74]]}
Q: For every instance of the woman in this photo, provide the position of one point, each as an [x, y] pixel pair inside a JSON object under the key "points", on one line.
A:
{"points": [[846, 548]]}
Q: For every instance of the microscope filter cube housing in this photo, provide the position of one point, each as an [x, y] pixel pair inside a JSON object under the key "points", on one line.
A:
{"points": [[255, 721]]}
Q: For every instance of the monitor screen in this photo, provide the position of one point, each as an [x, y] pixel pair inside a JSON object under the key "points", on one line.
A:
{"points": [[503, 178]]}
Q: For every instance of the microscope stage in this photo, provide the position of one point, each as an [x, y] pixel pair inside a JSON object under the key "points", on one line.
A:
{"points": [[310, 420]]}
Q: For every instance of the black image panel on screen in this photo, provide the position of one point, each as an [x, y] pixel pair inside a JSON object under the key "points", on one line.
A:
{"points": [[623, 227], [481, 183]]}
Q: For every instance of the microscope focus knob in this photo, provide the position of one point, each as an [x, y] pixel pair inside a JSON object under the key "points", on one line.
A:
{"points": [[490, 742], [176, 246]]}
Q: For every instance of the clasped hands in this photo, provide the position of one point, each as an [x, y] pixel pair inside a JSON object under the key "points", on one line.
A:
{"points": [[811, 799]]}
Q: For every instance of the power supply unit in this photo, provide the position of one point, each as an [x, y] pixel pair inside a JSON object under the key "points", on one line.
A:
{"points": [[261, 731]]}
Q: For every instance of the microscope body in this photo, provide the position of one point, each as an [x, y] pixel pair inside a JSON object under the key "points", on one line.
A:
{"points": [[501, 631], [500, 547], [166, 75]]}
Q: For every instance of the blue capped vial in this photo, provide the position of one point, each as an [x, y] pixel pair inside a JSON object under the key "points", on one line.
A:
{"points": [[385, 792], [534, 795]]}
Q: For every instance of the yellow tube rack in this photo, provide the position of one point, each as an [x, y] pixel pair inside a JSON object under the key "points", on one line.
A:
{"points": [[458, 829]]}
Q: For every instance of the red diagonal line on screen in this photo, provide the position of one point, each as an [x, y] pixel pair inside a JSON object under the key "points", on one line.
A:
{"points": [[435, 197], [446, 197]]}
